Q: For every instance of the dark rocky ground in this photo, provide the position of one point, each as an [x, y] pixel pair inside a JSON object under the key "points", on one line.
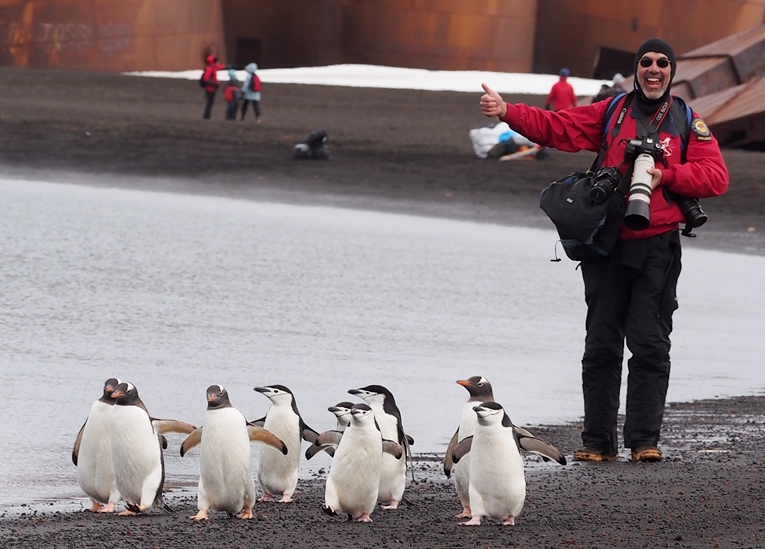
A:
{"points": [[403, 151]]}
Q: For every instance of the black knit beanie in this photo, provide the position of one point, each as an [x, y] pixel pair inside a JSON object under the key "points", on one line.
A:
{"points": [[659, 46]]}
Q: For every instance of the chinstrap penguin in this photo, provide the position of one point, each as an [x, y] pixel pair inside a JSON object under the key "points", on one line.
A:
{"points": [[480, 391], [388, 416], [342, 412], [277, 472], [354, 477], [497, 479]]}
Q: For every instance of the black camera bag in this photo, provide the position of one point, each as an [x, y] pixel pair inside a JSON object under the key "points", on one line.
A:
{"points": [[587, 229]]}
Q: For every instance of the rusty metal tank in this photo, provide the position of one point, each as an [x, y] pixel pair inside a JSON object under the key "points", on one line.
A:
{"points": [[110, 35]]}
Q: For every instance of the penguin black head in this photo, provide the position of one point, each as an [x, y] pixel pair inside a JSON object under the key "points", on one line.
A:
{"points": [[370, 390], [361, 411], [479, 388], [125, 394], [273, 390], [109, 386], [217, 397], [341, 408], [487, 411]]}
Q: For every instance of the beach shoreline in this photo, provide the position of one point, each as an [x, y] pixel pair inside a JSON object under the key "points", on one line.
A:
{"points": [[406, 152]]}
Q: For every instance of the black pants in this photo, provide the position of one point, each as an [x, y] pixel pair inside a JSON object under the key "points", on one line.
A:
{"points": [[255, 108], [231, 109], [631, 294], [209, 100]]}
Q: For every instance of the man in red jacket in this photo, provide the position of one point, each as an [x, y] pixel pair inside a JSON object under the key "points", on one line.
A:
{"points": [[631, 294], [210, 81], [562, 94]]}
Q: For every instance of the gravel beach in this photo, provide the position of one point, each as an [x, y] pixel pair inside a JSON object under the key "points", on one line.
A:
{"points": [[407, 152]]}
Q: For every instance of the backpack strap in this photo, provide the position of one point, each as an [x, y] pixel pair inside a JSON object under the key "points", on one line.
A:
{"points": [[682, 114], [610, 112]]}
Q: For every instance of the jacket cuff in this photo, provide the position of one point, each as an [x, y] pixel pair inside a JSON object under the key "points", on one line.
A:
{"points": [[668, 178]]}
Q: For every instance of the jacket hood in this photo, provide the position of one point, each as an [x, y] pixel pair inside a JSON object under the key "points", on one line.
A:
{"points": [[251, 68], [211, 59]]}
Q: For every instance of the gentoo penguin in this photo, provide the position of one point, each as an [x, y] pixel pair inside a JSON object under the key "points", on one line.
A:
{"points": [[388, 416], [225, 477], [497, 480], [92, 453], [137, 442], [342, 411], [354, 478], [277, 472], [480, 391]]}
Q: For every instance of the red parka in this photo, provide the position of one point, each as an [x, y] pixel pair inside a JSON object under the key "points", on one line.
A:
{"points": [[210, 75], [561, 95], [702, 175]]}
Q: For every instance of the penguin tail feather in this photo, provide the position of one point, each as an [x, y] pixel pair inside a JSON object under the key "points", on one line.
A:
{"points": [[328, 510]]}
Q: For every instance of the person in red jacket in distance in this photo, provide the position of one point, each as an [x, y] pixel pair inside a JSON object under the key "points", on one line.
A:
{"points": [[562, 94], [631, 293], [210, 80]]}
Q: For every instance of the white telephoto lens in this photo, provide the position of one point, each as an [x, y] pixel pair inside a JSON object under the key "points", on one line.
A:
{"points": [[640, 187]]}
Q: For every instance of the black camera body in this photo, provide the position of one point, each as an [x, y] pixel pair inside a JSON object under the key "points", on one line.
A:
{"points": [[604, 183], [646, 145]]}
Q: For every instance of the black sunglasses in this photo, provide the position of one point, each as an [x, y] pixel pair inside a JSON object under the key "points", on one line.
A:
{"points": [[663, 62]]}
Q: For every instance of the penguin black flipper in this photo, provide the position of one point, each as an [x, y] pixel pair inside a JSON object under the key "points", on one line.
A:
{"points": [[325, 441], [448, 462], [462, 448], [258, 433], [163, 426], [530, 443], [191, 441], [392, 448], [162, 441], [308, 434], [77, 442]]}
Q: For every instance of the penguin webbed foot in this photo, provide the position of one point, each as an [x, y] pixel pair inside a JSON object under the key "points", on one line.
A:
{"points": [[364, 518], [475, 521], [246, 514], [97, 507], [200, 516]]}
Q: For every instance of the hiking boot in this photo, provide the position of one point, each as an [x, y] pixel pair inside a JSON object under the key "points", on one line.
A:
{"points": [[590, 453], [646, 453]]}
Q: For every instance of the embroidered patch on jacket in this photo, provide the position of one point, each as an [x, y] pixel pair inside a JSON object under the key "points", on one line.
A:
{"points": [[701, 130]]}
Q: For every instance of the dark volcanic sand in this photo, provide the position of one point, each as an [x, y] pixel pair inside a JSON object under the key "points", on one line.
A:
{"points": [[403, 151]]}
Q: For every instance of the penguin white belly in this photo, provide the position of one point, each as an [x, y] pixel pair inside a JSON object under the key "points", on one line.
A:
{"points": [[393, 471], [95, 472], [462, 469], [136, 455], [225, 480], [497, 480], [277, 473], [354, 478]]}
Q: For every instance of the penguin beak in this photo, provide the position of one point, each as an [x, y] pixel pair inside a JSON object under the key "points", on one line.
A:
{"points": [[464, 383], [211, 398], [260, 389], [116, 394]]}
